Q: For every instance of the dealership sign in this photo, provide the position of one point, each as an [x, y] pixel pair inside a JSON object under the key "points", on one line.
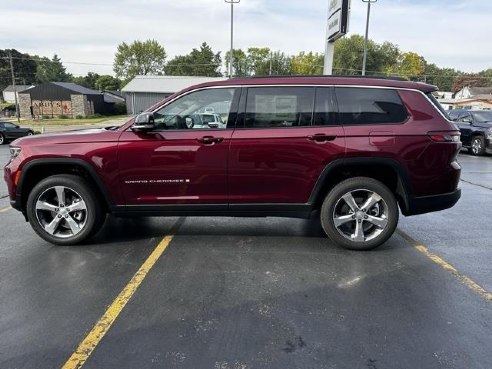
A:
{"points": [[337, 19]]}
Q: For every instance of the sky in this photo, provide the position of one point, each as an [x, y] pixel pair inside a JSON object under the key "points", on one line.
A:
{"points": [[85, 34]]}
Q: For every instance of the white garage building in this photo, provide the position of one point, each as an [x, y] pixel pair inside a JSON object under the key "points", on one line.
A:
{"points": [[144, 91]]}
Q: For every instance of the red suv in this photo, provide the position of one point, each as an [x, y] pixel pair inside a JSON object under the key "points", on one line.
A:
{"points": [[353, 150]]}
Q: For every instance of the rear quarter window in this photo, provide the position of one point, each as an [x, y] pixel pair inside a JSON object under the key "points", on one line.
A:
{"points": [[359, 106]]}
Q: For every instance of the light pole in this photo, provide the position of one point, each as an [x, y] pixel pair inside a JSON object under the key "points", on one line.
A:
{"points": [[367, 32], [231, 57]]}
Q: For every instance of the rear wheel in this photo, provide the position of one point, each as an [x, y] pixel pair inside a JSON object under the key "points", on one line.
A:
{"points": [[359, 213], [477, 146], [63, 210], [2, 139]]}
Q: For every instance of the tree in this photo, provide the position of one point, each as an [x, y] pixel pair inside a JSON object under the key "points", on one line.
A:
{"points": [[107, 82], [469, 80], [240, 63], [202, 62], [259, 61], [24, 68], [349, 53], [408, 65], [139, 58], [307, 63], [88, 81], [441, 77], [51, 70], [280, 64]]}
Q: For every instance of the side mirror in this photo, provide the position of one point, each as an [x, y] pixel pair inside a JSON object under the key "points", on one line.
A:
{"points": [[144, 122]]}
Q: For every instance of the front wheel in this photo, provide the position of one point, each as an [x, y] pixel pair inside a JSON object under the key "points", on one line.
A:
{"points": [[63, 210], [359, 213], [477, 146], [2, 139]]}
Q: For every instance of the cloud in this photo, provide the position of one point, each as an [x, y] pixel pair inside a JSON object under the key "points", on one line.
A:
{"points": [[453, 34]]}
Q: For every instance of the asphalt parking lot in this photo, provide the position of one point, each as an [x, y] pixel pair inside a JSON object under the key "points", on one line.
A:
{"points": [[239, 293]]}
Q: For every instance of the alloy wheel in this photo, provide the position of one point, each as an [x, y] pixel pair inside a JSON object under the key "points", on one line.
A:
{"points": [[61, 211], [360, 215]]}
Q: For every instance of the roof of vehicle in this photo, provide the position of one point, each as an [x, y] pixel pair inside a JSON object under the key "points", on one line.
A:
{"points": [[325, 80]]}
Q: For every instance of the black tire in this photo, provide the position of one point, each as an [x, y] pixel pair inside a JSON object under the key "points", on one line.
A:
{"points": [[477, 147], [30, 133], [384, 211], [2, 139], [79, 210]]}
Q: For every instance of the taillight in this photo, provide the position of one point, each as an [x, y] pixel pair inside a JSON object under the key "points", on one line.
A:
{"points": [[445, 136]]}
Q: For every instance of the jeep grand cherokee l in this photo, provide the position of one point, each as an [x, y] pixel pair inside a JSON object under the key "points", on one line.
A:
{"points": [[353, 150]]}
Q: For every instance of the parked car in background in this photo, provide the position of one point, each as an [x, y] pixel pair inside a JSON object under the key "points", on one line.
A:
{"points": [[10, 131], [476, 129]]}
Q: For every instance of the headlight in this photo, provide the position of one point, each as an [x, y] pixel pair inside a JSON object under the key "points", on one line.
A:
{"points": [[489, 133], [14, 152]]}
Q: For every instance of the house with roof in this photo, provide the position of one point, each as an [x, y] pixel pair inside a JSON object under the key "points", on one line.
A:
{"points": [[479, 98], [53, 99], [469, 92], [144, 91], [10, 91]]}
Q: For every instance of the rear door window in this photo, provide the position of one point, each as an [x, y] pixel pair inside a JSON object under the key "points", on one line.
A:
{"points": [[358, 106], [325, 107], [272, 107]]}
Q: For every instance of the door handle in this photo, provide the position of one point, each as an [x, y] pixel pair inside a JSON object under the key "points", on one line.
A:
{"points": [[210, 140], [321, 137]]}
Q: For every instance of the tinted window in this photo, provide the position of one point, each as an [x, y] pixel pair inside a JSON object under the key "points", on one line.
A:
{"points": [[369, 106], [268, 107], [198, 110], [324, 110]]}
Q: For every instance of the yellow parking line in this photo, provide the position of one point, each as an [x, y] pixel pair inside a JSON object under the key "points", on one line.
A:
{"points": [[467, 281], [5, 209], [84, 350]]}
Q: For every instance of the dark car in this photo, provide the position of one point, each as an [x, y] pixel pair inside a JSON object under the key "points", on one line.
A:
{"points": [[10, 131], [353, 151], [476, 129]]}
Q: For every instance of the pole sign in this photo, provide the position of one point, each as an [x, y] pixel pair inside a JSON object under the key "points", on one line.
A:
{"points": [[337, 19]]}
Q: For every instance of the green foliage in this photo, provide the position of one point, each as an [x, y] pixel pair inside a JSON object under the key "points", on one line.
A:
{"points": [[139, 58], [120, 109], [307, 63], [202, 62], [24, 67], [63, 116], [258, 62], [441, 77], [408, 65], [349, 53], [88, 81], [51, 70], [78, 116], [107, 82]]}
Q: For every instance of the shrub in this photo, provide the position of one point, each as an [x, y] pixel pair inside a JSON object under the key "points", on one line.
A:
{"points": [[120, 109], [63, 116], [46, 117], [78, 116]]}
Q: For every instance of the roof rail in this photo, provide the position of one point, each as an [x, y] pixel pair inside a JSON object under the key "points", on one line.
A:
{"points": [[321, 75]]}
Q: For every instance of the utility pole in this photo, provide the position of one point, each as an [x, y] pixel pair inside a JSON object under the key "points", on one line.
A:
{"points": [[232, 2], [15, 90], [364, 60]]}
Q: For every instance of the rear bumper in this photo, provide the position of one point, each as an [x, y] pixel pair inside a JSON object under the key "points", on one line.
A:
{"points": [[427, 204]]}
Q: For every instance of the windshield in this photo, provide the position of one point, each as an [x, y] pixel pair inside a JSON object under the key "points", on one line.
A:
{"points": [[483, 116]]}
